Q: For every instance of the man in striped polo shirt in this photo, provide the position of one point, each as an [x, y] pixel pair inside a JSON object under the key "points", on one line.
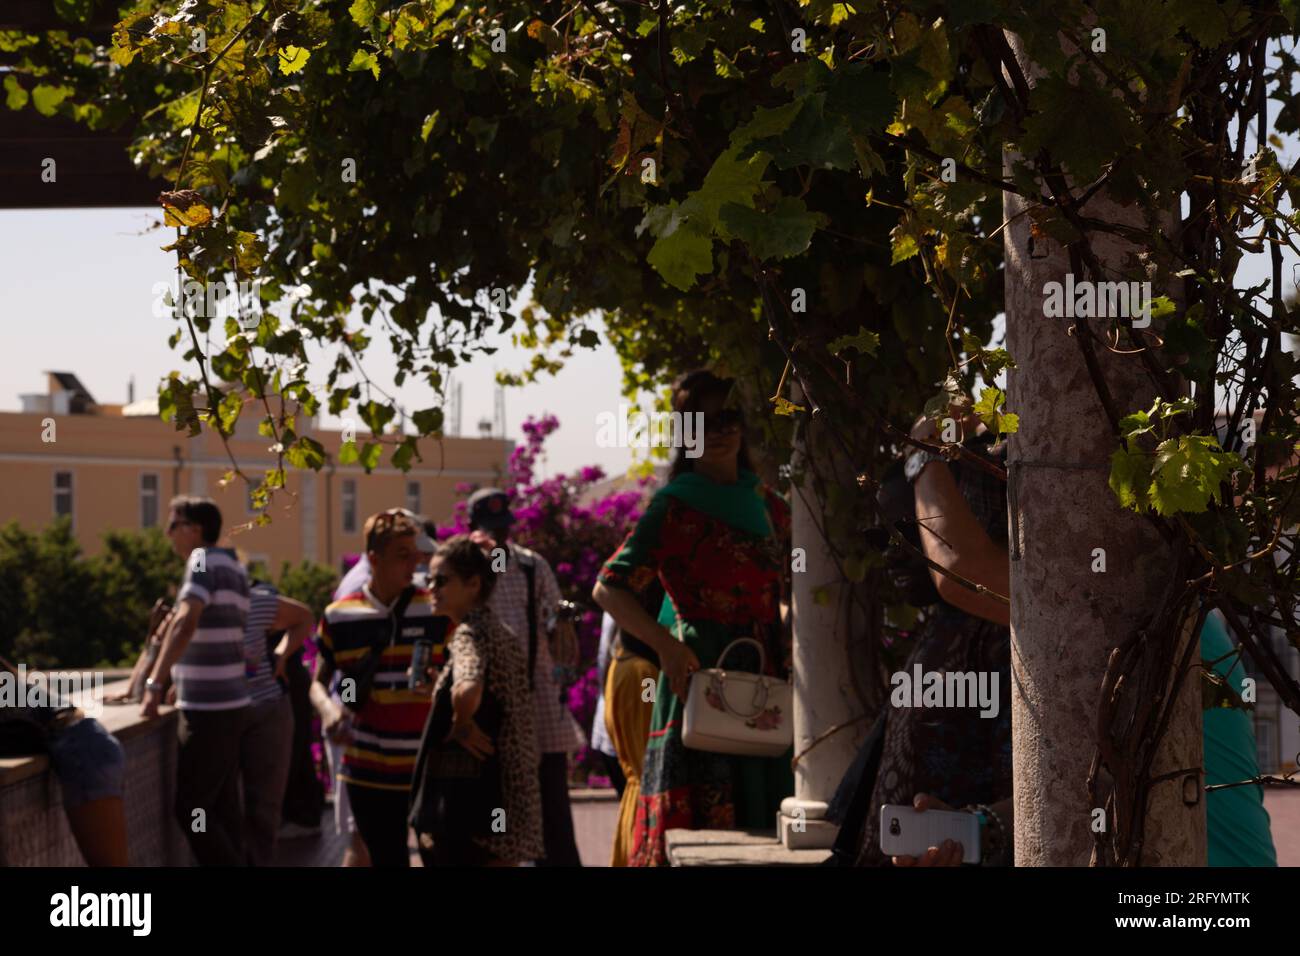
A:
{"points": [[381, 720], [203, 651]]}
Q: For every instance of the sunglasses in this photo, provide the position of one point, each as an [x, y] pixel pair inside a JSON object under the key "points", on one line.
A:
{"points": [[438, 580], [722, 420]]}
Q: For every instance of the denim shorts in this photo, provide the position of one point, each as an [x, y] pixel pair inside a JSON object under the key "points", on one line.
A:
{"points": [[89, 761]]}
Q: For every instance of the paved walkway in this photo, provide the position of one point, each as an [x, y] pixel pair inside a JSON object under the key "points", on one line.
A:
{"points": [[1282, 803]]}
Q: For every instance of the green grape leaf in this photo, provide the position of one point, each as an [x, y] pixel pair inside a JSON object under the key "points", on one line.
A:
{"points": [[1130, 478], [305, 453], [1187, 473], [783, 232], [681, 256], [428, 420], [370, 454], [988, 408], [864, 341]]}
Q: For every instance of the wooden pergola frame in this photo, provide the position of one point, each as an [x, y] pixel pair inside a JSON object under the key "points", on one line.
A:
{"points": [[92, 167]]}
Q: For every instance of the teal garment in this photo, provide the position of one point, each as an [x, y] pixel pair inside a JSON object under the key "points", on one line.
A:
{"points": [[743, 505], [1236, 822]]}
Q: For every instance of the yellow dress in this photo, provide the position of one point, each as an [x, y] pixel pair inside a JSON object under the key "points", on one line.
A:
{"points": [[627, 718]]}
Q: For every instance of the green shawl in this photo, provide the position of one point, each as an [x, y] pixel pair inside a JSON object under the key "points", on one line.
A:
{"points": [[742, 505]]}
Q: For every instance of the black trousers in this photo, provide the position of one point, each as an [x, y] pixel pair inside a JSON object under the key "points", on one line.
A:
{"points": [[207, 803], [557, 815], [380, 816]]}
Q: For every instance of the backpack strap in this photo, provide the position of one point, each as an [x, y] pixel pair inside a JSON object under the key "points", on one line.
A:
{"points": [[529, 567]]}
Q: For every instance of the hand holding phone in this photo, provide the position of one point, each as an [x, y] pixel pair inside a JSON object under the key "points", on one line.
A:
{"points": [[906, 831]]}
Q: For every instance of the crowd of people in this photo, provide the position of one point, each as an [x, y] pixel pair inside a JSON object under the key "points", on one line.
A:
{"points": [[435, 680]]}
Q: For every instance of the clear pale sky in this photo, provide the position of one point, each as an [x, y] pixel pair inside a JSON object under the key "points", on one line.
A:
{"points": [[77, 297]]}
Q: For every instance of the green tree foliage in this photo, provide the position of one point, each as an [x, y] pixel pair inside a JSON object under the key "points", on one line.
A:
{"points": [[64, 609], [309, 582]]}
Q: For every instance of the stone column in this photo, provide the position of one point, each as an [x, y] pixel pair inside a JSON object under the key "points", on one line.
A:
{"points": [[1068, 609], [824, 692]]}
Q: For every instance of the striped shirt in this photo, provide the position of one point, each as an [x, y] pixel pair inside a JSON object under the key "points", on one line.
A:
{"points": [[259, 664], [210, 674], [386, 732]]}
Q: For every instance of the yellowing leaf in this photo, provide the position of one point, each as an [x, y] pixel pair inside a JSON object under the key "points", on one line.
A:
{"points": [[783, 406], [15, 96], [427, 128], [47, 98], [904, 248], [192, 216], [364, 60], [363, 12], [293, 58]]}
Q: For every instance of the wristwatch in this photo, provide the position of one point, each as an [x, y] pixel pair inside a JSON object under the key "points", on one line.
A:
{"points": [[917, 460], [153, 685]]}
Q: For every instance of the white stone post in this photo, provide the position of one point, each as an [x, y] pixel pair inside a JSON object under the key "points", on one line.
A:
{"points": [[824, 693]]}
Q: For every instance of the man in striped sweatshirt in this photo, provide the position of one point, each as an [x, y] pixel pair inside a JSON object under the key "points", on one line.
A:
{"points": [[203, 652], [368, 636]]}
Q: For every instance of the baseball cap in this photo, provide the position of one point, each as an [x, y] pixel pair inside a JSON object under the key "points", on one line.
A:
{"points": [[489, 508]]}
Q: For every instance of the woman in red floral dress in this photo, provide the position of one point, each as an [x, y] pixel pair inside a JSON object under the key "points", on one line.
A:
{"points": [[718, 540]]}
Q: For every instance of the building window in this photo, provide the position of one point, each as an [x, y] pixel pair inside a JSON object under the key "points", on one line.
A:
{"points": [[149, 501], [413, 496], [62, 494], [349, 502]]}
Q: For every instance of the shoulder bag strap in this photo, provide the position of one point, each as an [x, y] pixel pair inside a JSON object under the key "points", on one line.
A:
{"points": [[530, 572]]}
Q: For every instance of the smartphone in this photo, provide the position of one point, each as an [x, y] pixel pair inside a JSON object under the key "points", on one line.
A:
{"points": [[907, 832]]}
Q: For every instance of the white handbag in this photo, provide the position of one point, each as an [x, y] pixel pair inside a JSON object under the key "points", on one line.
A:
{"points": [[736, 712]]}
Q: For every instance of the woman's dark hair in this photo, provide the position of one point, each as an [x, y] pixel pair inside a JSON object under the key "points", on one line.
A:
{"points": [[467, 560], [690, 392], [202, 512]]}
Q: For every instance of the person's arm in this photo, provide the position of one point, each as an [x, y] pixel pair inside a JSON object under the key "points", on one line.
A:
{"points": [[334, 719], [628, 572], [470, 663], [179, 633], [952, 537], [296, 620]]}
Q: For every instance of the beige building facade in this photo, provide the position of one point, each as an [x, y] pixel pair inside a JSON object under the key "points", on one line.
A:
{"points": [[113, 467]]}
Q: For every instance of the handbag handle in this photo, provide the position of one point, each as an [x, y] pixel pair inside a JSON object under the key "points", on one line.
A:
{"points": [[719, 680], [762, 653]]}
